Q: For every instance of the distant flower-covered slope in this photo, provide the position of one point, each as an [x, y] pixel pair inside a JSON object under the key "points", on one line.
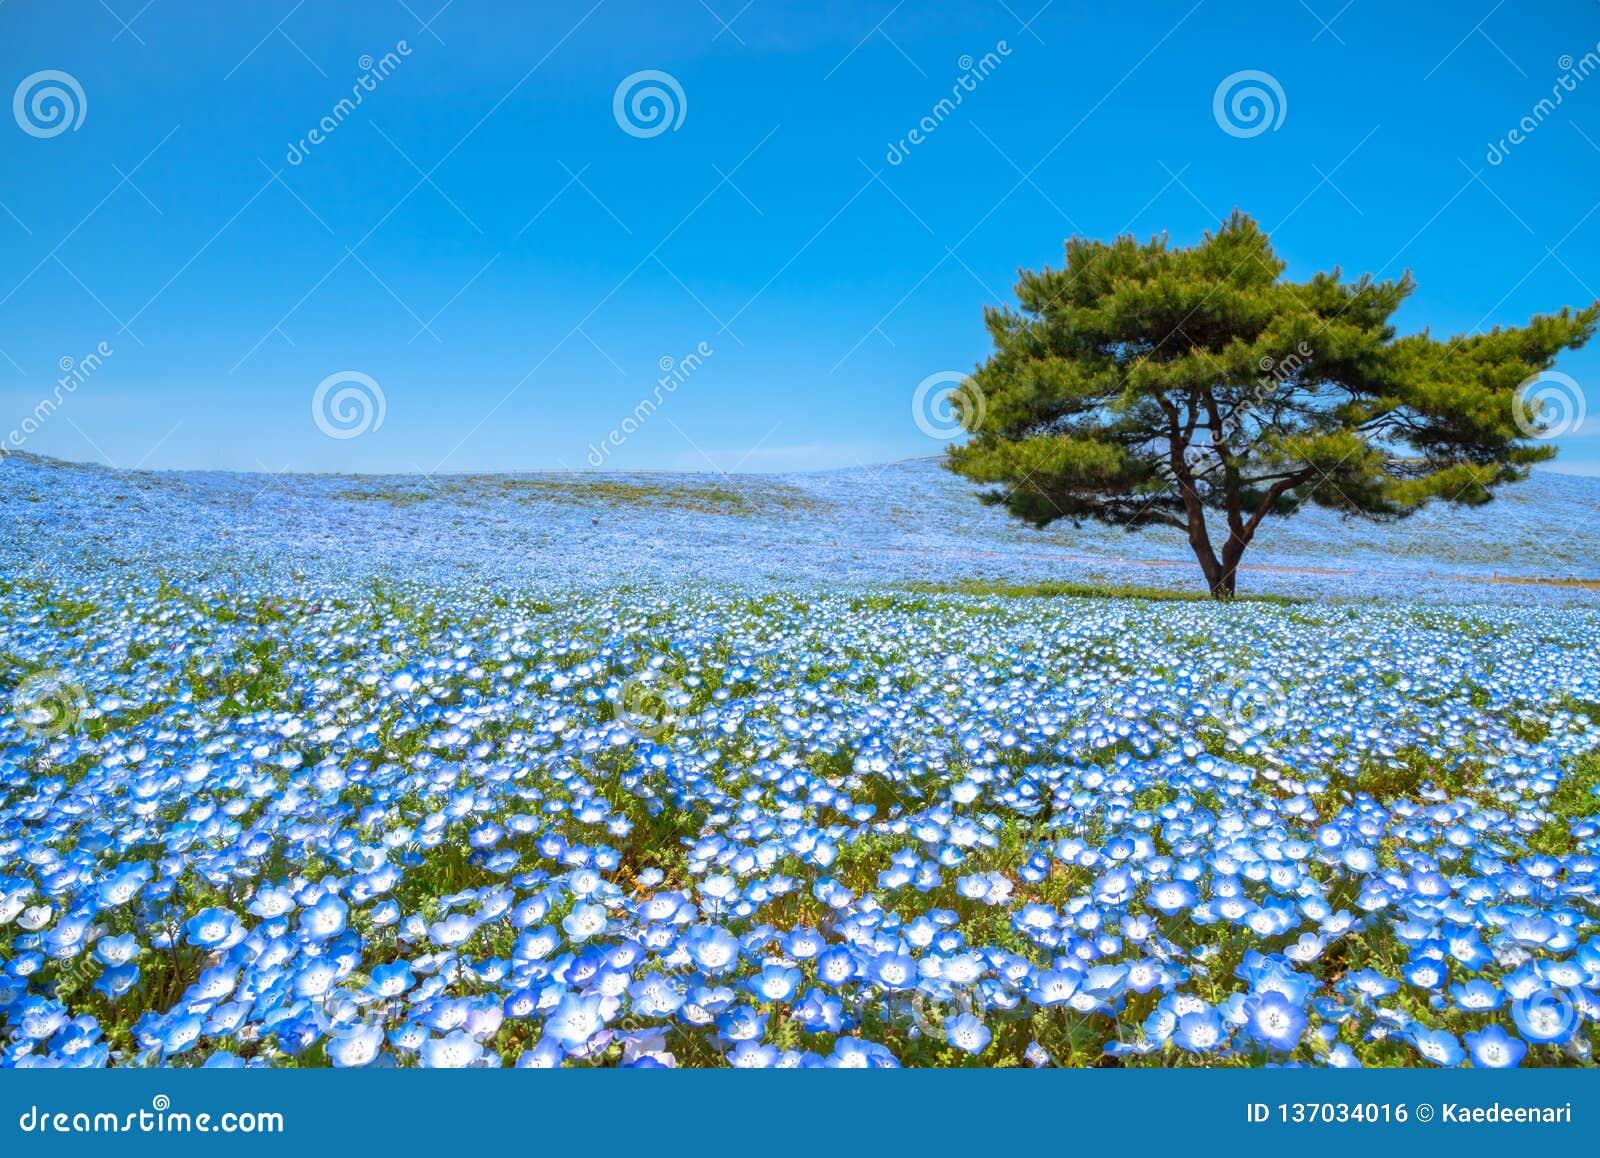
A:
{"points": [[902, 522]]}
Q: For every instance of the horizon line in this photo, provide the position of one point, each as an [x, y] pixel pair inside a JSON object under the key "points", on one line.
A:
{"points": [[86, 464]]}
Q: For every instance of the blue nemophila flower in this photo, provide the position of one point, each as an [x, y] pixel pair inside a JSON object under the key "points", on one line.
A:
{"points": [[442, 1014], [1564, 974], [753, 1055], [804, 944], [819, 1012], [391, 980], [117, 980], [1200, 1031], [211, 928], [1341, 1056], [1171, 896], [272, 902], [358, 1045], [1035, 918], [408, 1038], [894, 972], [742, 1023], [574, 1020], [315, 978], [853, 1053], [1493, 1048], [295, 1035], [455, 930], [584, 921], [226, 1018], [1370, 984], [1438, 1045], [1425, 973], [453, 1052], [1465, 946], [655, 995], [325, 918], [1053, 987], [124, 886], [544, 1055], [1531, 930], [1273, 1020], [117, 950], [1476, 995], [536, 944], [775, 983], [181, 1034], [1545, 1016], [1105, 982], [215, 983], [712, 948], [1306, 949], [966, 1033], [1522, 982], [836, 966]]}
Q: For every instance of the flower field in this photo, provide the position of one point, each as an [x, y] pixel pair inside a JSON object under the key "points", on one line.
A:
{"points": [[623, 770]]}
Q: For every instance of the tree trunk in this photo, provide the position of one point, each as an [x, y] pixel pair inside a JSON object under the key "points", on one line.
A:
{"points": [[1219, 575], [1223, 589], [1218, 580], [1232, 552]]}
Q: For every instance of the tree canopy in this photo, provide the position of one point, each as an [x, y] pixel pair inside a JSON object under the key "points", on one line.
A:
{"points": [[1144, 385]]}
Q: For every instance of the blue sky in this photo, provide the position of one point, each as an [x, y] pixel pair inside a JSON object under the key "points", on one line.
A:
{"points": [[483, 239]]}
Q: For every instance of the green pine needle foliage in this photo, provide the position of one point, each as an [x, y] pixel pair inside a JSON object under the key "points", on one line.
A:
{"points": [[1145, 385]]}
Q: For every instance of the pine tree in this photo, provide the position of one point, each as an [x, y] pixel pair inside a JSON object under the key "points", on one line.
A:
{"points": [[1144, 385]]}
